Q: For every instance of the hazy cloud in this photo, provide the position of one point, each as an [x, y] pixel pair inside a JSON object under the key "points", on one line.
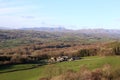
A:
{"points": [[29, 17]]}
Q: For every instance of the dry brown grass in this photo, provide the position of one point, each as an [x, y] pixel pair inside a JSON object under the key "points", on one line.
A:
{"points": [[104, 73]]}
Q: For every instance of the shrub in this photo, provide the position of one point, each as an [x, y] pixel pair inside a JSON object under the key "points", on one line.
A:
{"points": [[104, 73]]}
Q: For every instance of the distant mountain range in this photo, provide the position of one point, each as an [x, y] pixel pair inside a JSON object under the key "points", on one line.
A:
{"points": [[47, 34], [99, 31], [5, 28], [62, 29], [45, 29]]}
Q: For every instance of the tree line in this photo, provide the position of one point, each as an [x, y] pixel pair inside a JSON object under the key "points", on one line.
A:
{"points": [[36, 52]]}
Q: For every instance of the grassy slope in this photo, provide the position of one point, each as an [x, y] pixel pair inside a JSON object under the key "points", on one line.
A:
{"points": [[90, 62], [16, 67]]}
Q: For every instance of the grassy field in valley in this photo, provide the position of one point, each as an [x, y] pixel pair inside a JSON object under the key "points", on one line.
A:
{"points": [[36, 73]]}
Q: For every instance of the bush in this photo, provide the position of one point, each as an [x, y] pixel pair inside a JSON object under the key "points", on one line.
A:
{"points": [[16, 58], [104, 73]]}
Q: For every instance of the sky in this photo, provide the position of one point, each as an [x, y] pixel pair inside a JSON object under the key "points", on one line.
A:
{"points": [[71, 14]]}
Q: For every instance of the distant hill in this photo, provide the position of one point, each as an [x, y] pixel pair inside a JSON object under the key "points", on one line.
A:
{"points": [[87, 31], [109, 31], [44, 34], [5, 28], [45, 29], [62, 29]]}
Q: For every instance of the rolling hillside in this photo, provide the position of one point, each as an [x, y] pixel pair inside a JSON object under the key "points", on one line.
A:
{"points": [[11, 38], [35, 74]]}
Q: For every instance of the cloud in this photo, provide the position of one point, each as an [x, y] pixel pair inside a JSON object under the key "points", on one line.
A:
{"points": [[16, 6], [25, 21], [9, 10], [18, 14], [17, 22], [29, 17]]}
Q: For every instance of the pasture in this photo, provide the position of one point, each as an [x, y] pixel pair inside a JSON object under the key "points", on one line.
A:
{"points": [[36, 73]]}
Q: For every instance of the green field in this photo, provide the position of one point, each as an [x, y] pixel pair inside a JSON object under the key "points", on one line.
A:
{"points": [[36, 73], [10, 68]]}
